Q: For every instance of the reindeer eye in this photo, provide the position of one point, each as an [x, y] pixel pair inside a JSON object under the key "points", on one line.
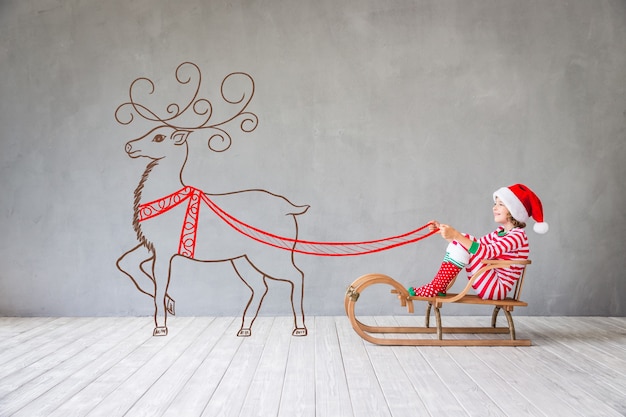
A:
{"points": [[158, 138]]}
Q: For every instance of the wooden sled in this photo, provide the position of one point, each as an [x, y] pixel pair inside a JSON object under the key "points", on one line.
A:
{"points": [[369, 333]]}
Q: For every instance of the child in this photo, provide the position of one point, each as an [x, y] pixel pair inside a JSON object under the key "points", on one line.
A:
{"points": [[513, 207]]}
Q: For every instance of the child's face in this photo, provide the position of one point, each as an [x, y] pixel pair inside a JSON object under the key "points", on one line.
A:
{"points": [[500, 212]]}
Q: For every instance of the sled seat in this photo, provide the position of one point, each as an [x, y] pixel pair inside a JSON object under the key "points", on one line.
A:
{"points": [[507, 305]]}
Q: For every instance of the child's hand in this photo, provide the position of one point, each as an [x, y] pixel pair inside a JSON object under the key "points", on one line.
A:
{"points": [[449, 233], [434, 225]]}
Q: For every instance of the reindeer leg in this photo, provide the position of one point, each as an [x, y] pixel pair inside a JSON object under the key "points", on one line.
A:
{"points": [[170, 304], [297, 299], [297, 309], [137, 264], [131, 264], [254, 279], [161, 270], [288, 273], [297, 304], [297, 293]]}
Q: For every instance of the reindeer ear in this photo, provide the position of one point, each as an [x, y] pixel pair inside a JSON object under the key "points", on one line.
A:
{"points": [[180, 136]]}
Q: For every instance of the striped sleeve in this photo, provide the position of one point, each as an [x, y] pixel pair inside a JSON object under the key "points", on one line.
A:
{"points": [[512, 245]]}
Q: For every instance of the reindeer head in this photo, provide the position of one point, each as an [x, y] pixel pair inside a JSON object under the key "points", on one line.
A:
{"points": [[195, 113], [159, 143]]}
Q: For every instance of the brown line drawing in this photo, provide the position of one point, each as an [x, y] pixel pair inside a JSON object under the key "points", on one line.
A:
{"points": [[175, 231]]}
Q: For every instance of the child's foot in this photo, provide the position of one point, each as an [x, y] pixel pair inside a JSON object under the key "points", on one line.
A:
{"points": [[427, 290]]}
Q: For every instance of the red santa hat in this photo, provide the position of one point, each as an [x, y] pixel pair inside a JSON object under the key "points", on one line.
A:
{"points": [[523, 203]]}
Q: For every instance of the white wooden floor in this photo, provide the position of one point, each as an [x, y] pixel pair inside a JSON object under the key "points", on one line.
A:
{"points": [[114, 367]]}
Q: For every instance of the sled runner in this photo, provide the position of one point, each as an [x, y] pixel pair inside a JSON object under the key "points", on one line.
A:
{"points": [[370, 333]]}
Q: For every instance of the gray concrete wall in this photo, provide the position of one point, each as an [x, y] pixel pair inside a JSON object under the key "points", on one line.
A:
{"points": [[379, 115]]}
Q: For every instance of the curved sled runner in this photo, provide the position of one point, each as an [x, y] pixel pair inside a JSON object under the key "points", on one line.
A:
{"points": [[507, 305]]}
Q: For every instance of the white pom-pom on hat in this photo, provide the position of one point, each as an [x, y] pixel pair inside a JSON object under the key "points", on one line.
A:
{"points": [[523, 203], [541, 228]]}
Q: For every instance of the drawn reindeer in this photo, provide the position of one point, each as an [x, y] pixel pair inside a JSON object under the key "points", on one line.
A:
{"points": [[173, 219]]}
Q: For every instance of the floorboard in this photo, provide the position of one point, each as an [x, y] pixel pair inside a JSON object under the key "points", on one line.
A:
{"points": [[218, 355], [234, 384], [74, 367], [331, 386], [264, 398], [366, 395], [393, 377], [434, 393]]}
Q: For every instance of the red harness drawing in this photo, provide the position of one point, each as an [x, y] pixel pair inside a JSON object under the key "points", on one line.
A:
{"points": [[189, 230]]}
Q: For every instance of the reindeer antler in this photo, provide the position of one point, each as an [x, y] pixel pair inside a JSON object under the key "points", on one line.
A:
{"points": [[198, 109]]}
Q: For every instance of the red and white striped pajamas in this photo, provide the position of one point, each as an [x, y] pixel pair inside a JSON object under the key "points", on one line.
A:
{"points": [[496, 283]]}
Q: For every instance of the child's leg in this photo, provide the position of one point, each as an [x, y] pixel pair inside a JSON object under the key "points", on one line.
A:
{"points": [[455, 259]]}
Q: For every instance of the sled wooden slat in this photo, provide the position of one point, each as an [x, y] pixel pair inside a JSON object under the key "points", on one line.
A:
{"points": [[369, 332]]}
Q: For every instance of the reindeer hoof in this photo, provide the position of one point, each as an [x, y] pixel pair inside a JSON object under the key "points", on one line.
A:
{"points": [[244, 333], [160, 331], [299, 331], [169, 305]]}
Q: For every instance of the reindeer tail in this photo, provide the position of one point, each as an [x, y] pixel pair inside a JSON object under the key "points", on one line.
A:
{"points": [[299, 209]]}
